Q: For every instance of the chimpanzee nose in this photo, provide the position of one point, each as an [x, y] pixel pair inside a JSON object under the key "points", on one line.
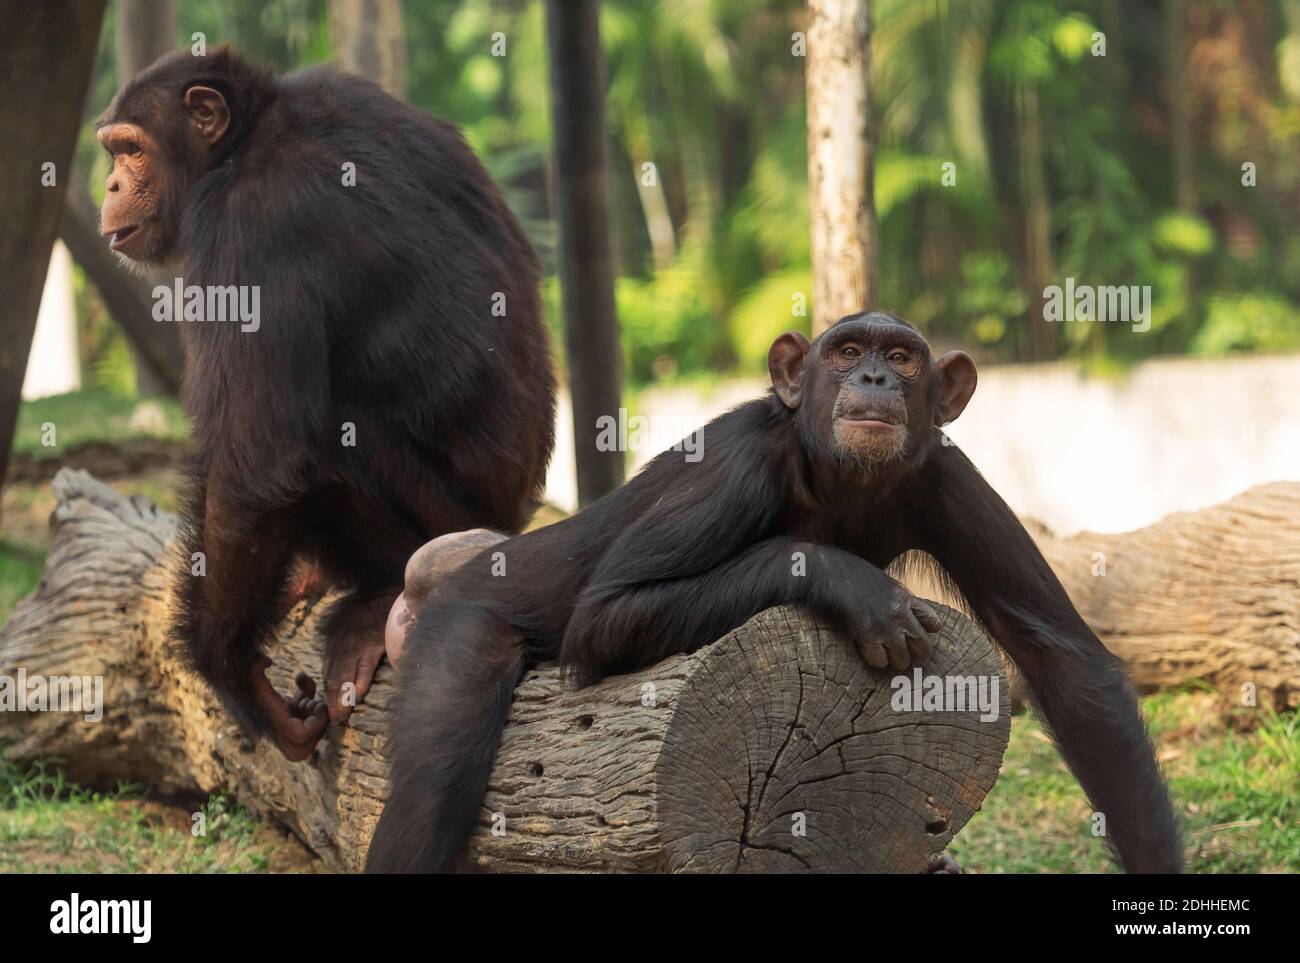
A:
{"points": [[871, 376]]}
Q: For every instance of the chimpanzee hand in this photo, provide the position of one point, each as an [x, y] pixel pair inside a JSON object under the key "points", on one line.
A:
{"points": [[892, 627], [298, 721]]}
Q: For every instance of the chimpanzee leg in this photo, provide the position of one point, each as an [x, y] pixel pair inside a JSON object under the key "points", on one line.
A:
{"points": [[237, 555], [457, 684]]}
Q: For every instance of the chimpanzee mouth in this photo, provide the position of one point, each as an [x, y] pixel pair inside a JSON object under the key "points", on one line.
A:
{"points": [[121, 234], [870, 419]]}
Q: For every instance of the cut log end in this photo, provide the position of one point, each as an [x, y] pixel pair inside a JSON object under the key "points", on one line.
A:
{"points": [[787, 754]]}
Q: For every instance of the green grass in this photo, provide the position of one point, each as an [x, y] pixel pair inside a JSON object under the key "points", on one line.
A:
{"points": [[49, 825], [90, 415], [1234, 777], [20, 573]]}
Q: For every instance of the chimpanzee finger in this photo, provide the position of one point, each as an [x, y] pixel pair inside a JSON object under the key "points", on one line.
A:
{"points": [[918, 639], [367, 665], [306, 683], [926, 615], [896, 649], [334, 683], [875, 655]]}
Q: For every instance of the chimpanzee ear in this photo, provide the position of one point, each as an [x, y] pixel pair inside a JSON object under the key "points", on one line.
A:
{"points": [[208, 113], [956, 385], [785, 363]]}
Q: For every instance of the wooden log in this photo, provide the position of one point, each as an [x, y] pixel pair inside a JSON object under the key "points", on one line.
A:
{"points": [[1210, 596], [775, 748], [1199, 597]]}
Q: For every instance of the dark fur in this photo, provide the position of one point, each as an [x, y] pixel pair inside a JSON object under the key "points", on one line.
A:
{"points": [[376, 310], [687, 551]]}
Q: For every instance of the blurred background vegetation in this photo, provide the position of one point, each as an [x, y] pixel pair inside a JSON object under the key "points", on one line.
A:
{"points": [[1067, 163], [1114, 169]]}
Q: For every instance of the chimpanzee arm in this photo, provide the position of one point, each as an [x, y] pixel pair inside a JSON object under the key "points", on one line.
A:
{"points": [[1081, 688], [625, 627], [707, 557]]}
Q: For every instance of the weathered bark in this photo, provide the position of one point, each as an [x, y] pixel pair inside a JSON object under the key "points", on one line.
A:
{"points": [[707, 762], [46, 53], [370, 41], [586, 252], [840, 159], [1209, 596]]}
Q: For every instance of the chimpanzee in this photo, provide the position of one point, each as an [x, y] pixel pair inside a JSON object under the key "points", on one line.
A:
{"points": [[845, 463], [396, 385]]}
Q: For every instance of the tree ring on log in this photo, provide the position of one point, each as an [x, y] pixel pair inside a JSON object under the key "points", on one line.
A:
{"points": [[784, 757]]}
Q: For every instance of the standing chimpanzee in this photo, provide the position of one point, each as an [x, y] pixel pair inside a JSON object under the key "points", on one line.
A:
{"points": [[397, 384], [844, 463]]}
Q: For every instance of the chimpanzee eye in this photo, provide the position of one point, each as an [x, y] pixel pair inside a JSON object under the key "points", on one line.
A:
{"points": [[133, 149], [899, 357], [851, 351]]}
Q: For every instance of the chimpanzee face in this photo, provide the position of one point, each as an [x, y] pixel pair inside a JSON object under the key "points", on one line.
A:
{"points": [[157, 150], [868, 387]]}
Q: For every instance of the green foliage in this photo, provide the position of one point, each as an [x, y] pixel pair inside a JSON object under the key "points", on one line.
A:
{"points": [[778, 303], [1247, 322], [1183, 233], [711, 95], [668, 329]]}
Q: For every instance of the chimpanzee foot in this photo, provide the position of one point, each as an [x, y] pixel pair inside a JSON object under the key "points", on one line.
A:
{"points": [[944, 865], [297, 721], [349, 670]]}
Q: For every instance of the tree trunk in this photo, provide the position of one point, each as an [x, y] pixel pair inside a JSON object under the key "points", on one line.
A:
{"points": [[46, 54], [1039, 267], [840, 159], [156, 347], [145, 30], [370, 41], [1180, 114], [775, 748], [591, 333]]}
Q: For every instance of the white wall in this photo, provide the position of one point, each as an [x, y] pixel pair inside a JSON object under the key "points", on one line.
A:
{"points": [[53, 367], [1083, 453]]}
